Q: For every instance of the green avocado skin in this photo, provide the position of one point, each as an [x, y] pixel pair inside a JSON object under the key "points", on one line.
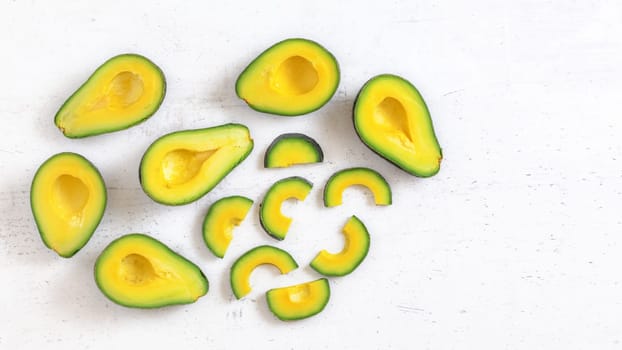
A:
{"points": [[122, 127], [297, 137], [395, 161]]}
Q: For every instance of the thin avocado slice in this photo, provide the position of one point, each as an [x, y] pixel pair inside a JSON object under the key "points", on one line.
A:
{"points": [[299, 301], [354, 251], [221, 218], [392, 119], [272, 220], [137, 270], [292, 77], [246, 264], [338, 182], [291, 149], [68, 198], [124, 91], [181, 167]]}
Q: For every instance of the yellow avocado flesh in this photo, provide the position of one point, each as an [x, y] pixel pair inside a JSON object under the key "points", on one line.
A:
{"points": [[180, 167], [246, 264], [272, 219], [299, 301], [68, 199], [333, 192], [293, 77], [354, 251], [123, 91], [221, 218], [136, 270], [392, 119]]}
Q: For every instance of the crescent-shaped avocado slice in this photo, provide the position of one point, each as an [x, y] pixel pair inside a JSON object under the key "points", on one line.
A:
{"points": [[299, 301], [338, 182], [272, 219], [292, 149], [221, 218]]}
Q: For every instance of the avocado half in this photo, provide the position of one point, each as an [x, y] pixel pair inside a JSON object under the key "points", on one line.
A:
{"points": [[68, 198], [181, 167], [124, 91], [290, 78], [392, 119], [137, 270]]}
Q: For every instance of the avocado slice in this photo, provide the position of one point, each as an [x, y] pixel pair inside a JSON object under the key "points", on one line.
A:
{"points": [[181, 167], [245, 265], [137, 270], [299, 301], [221, 218], [272, 220], [339, 181], [292, 77], [291, 149], [124, 91], [392, 119], [68, 199], [354, 251]]}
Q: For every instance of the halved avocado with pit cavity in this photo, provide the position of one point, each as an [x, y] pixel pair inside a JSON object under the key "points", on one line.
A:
{"points": [[354, 251], [221, 218], [124, 91], [181, 167], [392, 119], [68, 199], [272, 220], [292, 77], [299, 301], [246, 264], [139, 271], [291, 149], [338, 182]]}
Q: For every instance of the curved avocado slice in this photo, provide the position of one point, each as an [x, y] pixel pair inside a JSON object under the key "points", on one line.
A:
{"points": [[291, 149], [68, 199], [299, 301], [392, 119], [354, 251], [124, 91], [369, 178], [292, 77], [181, 167], [272, 220], [139, 271], [221, 218], [246, 264]]}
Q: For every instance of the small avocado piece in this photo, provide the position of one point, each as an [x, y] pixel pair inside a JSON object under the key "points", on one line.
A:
{"points": [[68, 198], [338, 182], [124, 91], [272, 220], [292, 77], [181, 167], [137, 270], [299, 301], [245, 265], [221, 218], [354, 251], [291, 149], [392, 119]]}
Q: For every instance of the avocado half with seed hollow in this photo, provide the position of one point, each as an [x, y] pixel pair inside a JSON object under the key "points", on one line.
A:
{"points": [[139, 271], [181, 167], [270, 216], [68, 198], [292, 77], [124, 91], [292, 149], [339, 181], [221, 218], [245, 265], [299, 301], [392, 119], [350, 257]]}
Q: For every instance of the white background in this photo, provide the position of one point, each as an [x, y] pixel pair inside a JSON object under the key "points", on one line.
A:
{"points": [[515, 244]]}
